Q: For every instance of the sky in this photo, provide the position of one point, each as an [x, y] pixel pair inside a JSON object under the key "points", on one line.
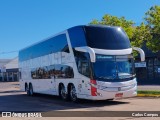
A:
{"points": [[25, 22]]}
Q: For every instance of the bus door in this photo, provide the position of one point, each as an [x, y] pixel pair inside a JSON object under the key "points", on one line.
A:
{"points": [[84, 80]]}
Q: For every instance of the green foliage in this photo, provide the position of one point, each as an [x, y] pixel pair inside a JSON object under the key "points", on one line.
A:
{"points": [[115, 21], [148, 33], [153, 92], [153, 21], [94, 22], [141, 34]]}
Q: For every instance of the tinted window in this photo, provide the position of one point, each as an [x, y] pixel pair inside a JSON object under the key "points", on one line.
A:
{"points": [[83, 63], [40, 73], [77, 36], [63, 71], [106, 38], [53, 71], [34, 74], [113, 68], [54, 44]]}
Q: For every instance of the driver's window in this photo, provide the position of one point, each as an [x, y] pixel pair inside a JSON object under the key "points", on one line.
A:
{"points": [[82, 60], [83, 68]]}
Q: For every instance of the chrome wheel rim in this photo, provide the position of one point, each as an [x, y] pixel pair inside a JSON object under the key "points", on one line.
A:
{"points": [[73, 93], [63, 92]]}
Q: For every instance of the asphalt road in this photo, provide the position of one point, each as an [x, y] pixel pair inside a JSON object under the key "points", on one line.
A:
{"points": [[11, 99]]}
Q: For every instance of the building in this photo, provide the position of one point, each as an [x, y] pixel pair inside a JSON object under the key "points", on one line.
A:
{"points": [[149, 71], [9, 69]]}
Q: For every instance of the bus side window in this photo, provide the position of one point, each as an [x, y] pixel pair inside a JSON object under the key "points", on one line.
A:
{"points": [[83, 67], [83, 64], [34, 73], [52, 71], [63, 71]]}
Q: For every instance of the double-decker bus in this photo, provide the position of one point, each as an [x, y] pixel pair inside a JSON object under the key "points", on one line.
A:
{"points": [[88, 62]]}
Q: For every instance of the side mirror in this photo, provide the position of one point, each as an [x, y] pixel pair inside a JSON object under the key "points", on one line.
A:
{"points": [[89, 50], [142, 54]]}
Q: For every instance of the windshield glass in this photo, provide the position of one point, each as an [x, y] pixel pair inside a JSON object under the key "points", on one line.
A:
{"points": [[106, 37], [113, 67]]}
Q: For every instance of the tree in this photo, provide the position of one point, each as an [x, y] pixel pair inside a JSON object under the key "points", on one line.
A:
{"points": [[141, 35], [137, 34], [115, 21], [153, 21]]}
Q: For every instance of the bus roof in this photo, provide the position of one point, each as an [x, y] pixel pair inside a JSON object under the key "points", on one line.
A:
{"points": [[92, 25]]}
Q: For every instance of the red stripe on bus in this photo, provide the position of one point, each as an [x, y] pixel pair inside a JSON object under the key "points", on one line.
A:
{"points": [[93, 89]]}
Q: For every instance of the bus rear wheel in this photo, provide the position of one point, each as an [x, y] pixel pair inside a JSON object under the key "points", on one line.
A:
{"points": [[73, 94], [26, 89]]}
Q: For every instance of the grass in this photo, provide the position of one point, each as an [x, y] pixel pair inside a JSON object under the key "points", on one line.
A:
{"points": [[153, 92], [148, 93]]}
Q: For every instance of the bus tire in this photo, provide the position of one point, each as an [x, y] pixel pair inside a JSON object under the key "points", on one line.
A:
{"points": [[30, 90], [62, 92], [73, 94], [26, 88]]}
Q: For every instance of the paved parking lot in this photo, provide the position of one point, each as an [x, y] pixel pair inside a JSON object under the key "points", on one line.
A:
{"points": [[11, 99], [149, 87]]}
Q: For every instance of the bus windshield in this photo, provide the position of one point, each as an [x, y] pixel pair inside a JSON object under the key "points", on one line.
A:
{"points": [[113, 67]]}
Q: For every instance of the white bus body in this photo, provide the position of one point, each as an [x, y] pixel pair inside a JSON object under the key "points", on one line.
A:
{"points": [[88, 62]]}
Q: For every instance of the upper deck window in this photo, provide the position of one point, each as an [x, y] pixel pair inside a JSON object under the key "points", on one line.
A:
{"points": [[77, 36], [51, 45]]}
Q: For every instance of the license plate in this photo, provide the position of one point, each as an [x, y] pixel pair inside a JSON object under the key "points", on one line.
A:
{"points": [[119, 95]]}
